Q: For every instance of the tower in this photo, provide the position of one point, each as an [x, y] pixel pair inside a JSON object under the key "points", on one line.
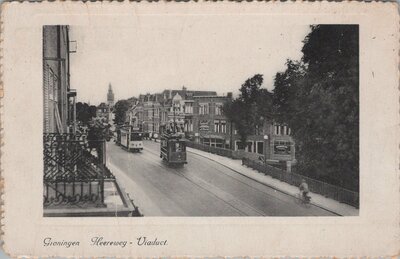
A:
{"points": [[110, 96]]}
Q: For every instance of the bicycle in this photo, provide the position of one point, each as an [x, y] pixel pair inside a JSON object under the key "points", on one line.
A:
{"points": [[300, 199]]}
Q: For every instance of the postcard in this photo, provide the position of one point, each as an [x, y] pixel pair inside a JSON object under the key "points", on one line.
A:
{"points": [[200, 129]]}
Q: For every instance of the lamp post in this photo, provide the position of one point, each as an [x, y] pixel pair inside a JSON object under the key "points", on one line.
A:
{"points": [[266, 148]]}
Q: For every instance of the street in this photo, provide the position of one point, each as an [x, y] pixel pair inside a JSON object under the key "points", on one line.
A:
{"points": [[202, 187]]}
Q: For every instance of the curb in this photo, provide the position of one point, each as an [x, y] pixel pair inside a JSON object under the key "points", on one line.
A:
{"points": [[273, 187]]}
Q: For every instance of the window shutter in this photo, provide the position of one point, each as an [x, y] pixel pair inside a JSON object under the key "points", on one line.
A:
{"points": [[46, 115]]}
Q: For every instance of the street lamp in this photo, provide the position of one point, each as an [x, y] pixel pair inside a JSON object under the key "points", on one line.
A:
{"points": [[265, 148]]}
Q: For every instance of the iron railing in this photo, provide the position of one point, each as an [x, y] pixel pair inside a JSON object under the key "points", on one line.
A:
{"points": [[71, 173], [214, 150], [328, 190]]}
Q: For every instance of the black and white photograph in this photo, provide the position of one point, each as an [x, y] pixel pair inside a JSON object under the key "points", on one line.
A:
{"points": [[163, 119], [202, 129]]}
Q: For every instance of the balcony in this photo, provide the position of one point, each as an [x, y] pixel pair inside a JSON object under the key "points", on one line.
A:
{"points": [[77, 182]]}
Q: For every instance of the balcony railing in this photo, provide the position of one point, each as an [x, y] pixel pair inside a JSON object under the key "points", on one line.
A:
{"points": [[72, 174]]}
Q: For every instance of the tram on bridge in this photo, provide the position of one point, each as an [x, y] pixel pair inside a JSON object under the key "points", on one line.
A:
{"points": [[173, 148], [130, 138]]}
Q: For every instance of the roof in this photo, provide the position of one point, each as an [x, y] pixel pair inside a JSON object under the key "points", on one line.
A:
{"points": [[187, 94], [165, 96], [102, 105]]}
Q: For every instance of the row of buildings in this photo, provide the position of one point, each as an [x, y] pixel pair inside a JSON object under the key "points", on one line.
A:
{"points": [[199, 115]]}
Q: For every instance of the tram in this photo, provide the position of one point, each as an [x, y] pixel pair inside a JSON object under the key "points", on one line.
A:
{"points": [[173, 148], [130, 138]]}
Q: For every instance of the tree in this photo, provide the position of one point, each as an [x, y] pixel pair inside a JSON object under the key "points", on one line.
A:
{"points": [[92, 111], [286, 103], [98, 132], [250, 108], [120, 109], [237, 113], [84, 112], [318, 97]]}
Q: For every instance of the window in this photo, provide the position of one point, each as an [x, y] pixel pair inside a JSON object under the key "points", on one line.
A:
{"points": [[223, 126], [220, 143], [276, 129], [136, 136], [218, 109], [257, 130], [178, 147], [203, 108], [206, 141], [220, 126], [248, 148], [189, 126], [216, 126], [281, 130], [55, 88], [260, 147], [51, 84], [216, 142], [189, 108]]}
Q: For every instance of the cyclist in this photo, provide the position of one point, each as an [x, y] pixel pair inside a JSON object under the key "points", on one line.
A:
{"points": [[304, 189]]}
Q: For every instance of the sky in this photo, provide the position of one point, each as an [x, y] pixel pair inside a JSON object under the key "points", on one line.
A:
{"points": [[151, 53]]}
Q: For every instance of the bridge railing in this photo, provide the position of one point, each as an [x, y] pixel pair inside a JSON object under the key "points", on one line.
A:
{"points": [[328, 190], [214, 150], [251, 160]]}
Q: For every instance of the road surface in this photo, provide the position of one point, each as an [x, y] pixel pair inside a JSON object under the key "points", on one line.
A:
{"points": [[200, 188]]}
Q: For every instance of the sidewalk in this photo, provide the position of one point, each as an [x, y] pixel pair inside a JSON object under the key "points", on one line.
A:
{"points": [[316, 199]]}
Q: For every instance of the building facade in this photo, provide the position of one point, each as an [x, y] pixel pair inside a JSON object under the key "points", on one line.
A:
{"points": [[59, 110], [172, 109], [102, 112], [210, 126], [199, 115], [272, 140], [74, 179]]}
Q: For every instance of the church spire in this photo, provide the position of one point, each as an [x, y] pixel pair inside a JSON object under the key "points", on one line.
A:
{"points": [[110, 96]]}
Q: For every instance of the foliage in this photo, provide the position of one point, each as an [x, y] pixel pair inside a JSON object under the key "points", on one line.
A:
{"points": [[97, 133], [120, 109], [98, 130], [250, 108], [319, 98], [84, 112]]}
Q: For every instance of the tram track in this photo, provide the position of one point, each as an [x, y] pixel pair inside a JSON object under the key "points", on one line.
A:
{"points": [[294, 197], [275, 197], [205, 186]]}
